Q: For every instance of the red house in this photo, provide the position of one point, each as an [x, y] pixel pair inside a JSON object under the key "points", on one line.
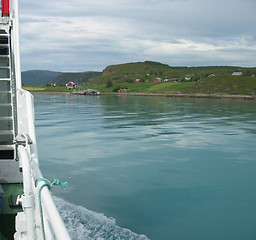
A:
{"points": [[71, 85], [138, 80], [124, 90], [157, 80]]}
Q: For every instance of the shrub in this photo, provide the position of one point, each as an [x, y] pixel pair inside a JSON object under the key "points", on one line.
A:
{"points": [[109, 84], [116, 89]]}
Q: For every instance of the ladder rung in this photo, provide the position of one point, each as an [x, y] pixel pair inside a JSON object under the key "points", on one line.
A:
{"points": [[5, 79], [5, 118], [4, 45], [5, 91], [5, 104], [6, 132], [4, 35], [6, 147]]}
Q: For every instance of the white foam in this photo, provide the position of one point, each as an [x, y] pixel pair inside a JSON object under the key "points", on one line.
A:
{"points": [[85, 224]]}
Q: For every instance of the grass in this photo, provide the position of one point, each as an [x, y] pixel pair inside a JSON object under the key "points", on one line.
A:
{"points": [[218, 85], [33, 88], [123, 77], [178, 87], [225, 85], [46, 89]]}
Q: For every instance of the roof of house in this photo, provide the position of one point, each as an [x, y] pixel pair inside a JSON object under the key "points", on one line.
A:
{"points": [[237, 73], [70, 83]]}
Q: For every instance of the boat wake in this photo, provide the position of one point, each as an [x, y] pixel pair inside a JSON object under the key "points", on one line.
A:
{"points": [[83, 224]]}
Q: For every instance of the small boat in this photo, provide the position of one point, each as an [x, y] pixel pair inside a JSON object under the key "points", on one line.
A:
{"points": [[27, 208]]}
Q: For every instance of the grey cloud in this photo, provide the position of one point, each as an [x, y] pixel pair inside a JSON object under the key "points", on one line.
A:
{"points": [[99, 33]]}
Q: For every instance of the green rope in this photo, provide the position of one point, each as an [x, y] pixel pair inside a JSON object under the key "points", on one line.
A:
{"points": [[50, 185]]}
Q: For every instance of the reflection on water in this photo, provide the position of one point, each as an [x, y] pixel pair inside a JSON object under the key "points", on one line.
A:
{"points": [[169, 168]]}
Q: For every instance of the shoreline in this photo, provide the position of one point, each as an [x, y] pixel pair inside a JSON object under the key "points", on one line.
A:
{"points": [[183, 95], [186, 95], [53, 93]]}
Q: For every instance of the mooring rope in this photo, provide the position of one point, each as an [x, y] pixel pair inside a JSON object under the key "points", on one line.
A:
{"points": [[50, 185]]}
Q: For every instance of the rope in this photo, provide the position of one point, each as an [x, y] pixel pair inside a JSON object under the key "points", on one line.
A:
{"points": [[50, 185]]}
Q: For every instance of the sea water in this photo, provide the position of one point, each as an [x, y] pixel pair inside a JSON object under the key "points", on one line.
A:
{"points": [[150, 167]]}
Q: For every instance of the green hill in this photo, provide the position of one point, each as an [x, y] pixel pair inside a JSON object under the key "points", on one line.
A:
{"points": [[119, 76], [148, 70], [130, 71], [77, 77], [38, 77]]}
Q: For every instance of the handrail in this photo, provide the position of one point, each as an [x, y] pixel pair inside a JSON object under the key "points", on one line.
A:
{"points": [[54, 225], [52, 212], [27, 199], [27, 127]]}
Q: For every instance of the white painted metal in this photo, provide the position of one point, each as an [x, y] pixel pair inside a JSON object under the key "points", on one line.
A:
{"points": [[26, 125], [16, 40], [25, 114], [28, 225], [28, 198]]}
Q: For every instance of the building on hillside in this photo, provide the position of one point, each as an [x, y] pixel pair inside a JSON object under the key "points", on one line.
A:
{"points": [[188, 78], [166, 80], [157, 80], [53, 84], [237, 74], [124, 90], [174, 80], [71, 85], [138, 80]]}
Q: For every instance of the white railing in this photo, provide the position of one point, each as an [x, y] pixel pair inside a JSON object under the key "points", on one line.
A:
{"points": [[54, 227], [28, 197], [15, 36], [28, 223]]}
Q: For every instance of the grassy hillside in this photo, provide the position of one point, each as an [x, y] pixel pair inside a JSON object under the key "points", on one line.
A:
{"points": [[179, 87], [78, 78], [124, 76], [46, 89], [148, 70], [115, 77], [243, 85]]}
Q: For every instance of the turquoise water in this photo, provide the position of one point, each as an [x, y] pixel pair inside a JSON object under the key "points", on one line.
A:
{"points": [[151, 167]]}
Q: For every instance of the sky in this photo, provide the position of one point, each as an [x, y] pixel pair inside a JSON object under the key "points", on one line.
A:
{"points": [[89, 35]]}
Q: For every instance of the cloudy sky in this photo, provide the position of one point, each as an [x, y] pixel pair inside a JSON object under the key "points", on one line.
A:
{"points": [[84, 35]]}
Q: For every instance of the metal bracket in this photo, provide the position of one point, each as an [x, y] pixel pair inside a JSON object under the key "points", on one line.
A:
{"points": [[23, 139], [14, 201]]}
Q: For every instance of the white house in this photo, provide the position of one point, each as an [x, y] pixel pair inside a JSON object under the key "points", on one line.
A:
{"points": [[237, 74], [71, 85]]}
